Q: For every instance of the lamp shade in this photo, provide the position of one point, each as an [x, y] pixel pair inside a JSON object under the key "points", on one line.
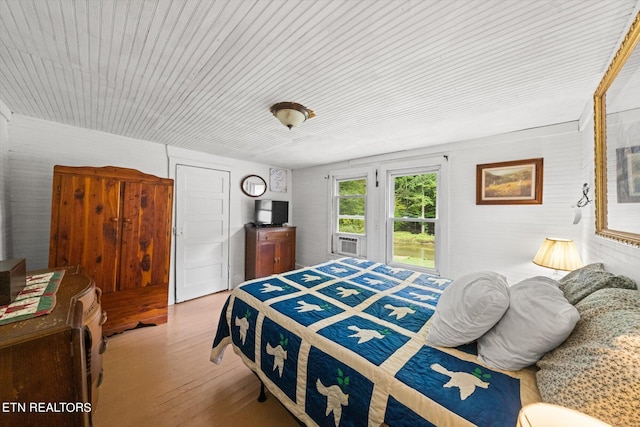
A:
{"points": [[290, 117], [559, 254], [291, 114]]}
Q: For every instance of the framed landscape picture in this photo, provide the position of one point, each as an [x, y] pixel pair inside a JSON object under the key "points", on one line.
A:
{"points": [[517, 182]]}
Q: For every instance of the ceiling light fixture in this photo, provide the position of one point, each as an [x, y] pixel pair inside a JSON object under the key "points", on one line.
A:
{"points": [[291, 114]]}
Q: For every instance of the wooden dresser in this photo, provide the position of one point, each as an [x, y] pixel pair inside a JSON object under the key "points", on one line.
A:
{"points": [[269, 250], [51, 365]]}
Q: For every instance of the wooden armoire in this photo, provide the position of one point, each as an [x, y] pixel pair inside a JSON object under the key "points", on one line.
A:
{"points": [[116, 223]]}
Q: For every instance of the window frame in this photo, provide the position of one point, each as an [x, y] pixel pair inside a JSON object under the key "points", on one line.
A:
{"points": [[338, 198], [334, 234], [439, 222]]}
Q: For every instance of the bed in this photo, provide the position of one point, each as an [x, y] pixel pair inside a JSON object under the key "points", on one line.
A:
{"points": [[344, 343]]}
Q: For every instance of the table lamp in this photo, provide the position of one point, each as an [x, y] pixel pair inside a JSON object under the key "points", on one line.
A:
{"points": [[559, 254]]}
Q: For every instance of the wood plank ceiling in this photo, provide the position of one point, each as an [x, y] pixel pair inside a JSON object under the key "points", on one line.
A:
{"points": [[381, 75]]}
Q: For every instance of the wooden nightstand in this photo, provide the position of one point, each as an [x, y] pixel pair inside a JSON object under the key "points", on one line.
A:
{"points": [[548, 415], [269, 250]]}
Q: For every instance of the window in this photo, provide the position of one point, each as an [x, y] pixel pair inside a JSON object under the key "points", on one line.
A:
{"points": [[350, 202], [412, 226], [349, 216]]}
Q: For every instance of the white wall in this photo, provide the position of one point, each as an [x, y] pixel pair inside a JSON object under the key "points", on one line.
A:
{"points": [[617, 257], [5, 206], [500, 238], [35, 146], [505, 238]]}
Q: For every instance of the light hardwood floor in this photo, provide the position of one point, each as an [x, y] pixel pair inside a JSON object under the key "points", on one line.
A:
{"points": [[161, 376]]}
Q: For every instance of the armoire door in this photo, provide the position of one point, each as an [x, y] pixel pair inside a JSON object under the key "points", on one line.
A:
{"points": [[88, 226], [146, 235]]}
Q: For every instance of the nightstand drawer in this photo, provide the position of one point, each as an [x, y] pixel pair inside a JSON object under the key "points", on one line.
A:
{"points": [[274, 235]]}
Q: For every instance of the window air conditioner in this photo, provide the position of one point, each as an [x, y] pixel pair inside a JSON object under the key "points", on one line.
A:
{"points": [[349, 246]]}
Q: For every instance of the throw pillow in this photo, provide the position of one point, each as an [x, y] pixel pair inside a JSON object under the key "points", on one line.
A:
{"points": [[468, 308], [538, 320], [586, 280]]}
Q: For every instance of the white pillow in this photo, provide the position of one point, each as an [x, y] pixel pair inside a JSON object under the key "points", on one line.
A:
{"points": [[468, 308], [538, 320]]}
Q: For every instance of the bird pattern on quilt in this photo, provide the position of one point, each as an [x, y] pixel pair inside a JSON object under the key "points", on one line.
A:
{"points": [[373, 312]]}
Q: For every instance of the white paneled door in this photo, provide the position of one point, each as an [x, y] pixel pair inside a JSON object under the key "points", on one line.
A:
{"points": [[202, 232]]}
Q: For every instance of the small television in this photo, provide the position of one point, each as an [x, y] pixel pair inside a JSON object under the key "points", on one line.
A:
{"points": [[271, 212]]}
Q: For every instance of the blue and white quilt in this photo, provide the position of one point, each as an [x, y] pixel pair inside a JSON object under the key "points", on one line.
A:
{"points": [[343, 344]]}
